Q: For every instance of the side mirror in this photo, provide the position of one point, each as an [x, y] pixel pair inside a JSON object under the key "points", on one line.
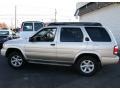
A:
{"points": [[31, 39]]}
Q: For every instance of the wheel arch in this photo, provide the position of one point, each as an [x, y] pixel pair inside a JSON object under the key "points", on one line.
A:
{"points": [[10, 50], [88, 54]]}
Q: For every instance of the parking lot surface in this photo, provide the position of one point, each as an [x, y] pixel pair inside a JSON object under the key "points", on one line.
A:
{"points": [[47, 76]]}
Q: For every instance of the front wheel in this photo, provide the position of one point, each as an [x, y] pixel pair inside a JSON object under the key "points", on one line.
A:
{"points": [[87, 65], [16, 60]]}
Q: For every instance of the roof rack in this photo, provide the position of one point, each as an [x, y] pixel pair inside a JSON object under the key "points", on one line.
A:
{"points": [[75, 24]]}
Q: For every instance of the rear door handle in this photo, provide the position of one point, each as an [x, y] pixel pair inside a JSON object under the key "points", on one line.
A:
{"points": [[52, 44]]}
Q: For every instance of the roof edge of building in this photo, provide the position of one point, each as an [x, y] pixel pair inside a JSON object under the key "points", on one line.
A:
{"points": [[91, 6]]}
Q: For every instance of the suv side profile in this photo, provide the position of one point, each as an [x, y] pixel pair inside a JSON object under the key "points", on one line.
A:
{"points": [[87, 47]]}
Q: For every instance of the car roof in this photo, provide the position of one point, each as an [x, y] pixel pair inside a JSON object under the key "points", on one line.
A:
{"points": [[32, 22]]}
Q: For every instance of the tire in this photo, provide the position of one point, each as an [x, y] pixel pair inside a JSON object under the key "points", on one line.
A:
{"points": [[87, 66], [16, 60]]}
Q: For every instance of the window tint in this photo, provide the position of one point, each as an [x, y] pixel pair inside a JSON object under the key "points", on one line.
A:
{"points": [[98, 34], [71, 35], [45, 35], [38, 26], [28, 27]]}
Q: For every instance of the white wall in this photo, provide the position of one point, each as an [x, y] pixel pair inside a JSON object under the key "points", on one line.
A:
{"points": [[109, 17]]}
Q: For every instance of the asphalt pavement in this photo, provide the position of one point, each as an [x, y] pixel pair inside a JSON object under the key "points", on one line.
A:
{"points": [[47, 76]]}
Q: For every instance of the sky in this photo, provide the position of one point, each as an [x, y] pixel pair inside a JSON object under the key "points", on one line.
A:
{"points": [[40, 10]]}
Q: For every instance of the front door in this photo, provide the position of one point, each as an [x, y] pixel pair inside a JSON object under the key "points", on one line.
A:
{"points": [[42, 45]]}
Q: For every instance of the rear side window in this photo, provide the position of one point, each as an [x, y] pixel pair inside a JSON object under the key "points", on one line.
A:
{"points": [[98, 34], [38, 26], [71, 35]]}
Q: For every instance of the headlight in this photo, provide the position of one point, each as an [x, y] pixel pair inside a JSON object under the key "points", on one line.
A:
{"points": [[3, 46]]}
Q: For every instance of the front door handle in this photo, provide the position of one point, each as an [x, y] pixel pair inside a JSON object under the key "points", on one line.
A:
{"points": [[52, 44]]}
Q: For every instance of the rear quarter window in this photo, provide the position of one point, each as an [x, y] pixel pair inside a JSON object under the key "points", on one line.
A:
{"points": [[98, 34]]}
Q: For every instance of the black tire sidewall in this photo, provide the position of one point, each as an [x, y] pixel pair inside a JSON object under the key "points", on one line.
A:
{"points": [[96, 65], [13, 54]]}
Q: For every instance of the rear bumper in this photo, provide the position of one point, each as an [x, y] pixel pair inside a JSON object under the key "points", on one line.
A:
{"points": [[109, 60]]}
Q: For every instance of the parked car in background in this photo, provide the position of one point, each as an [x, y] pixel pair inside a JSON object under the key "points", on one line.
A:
{"points": [[86, 46], [6, 35], [29, 27]]}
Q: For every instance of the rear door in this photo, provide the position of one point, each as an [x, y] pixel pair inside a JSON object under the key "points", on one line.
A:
{"points": [[71, 42], [101, 41]]}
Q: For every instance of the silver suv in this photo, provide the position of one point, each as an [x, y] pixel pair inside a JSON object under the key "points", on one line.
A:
{"points": [[87, 47]]}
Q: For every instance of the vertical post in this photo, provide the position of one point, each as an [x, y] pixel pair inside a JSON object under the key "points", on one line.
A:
{"points": [[15, 16], [11, 24], [55, 15]]}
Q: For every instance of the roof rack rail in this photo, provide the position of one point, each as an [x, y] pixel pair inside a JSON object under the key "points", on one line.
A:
{"points": [[75, 24]]}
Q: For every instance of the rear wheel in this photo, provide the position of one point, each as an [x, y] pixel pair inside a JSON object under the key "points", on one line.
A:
{"points": [[87, 65], [16, 60]]}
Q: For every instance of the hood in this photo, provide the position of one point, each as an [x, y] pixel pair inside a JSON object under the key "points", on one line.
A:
{"points": [[16, 41], [26, 34]]}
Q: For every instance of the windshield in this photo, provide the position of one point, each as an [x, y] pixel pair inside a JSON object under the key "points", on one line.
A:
{"points": [[4, 33]]}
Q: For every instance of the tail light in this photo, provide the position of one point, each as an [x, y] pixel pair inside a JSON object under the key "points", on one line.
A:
{"points": [[115, 51]]}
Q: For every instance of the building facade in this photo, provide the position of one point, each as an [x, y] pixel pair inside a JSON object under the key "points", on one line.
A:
{"points": [[107, 13]]}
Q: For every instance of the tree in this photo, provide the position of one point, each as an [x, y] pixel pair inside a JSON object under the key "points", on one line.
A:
{"points": [[3, 26]]}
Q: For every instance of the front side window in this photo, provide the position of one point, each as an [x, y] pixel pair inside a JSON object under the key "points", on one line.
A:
{"points": [[98, 34], [45, 35], [38, 26], [71, 35], [28, 27]]}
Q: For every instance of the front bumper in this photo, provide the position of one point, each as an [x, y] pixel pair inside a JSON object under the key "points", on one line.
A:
{"points": [[3, 52], [1, 45]]}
